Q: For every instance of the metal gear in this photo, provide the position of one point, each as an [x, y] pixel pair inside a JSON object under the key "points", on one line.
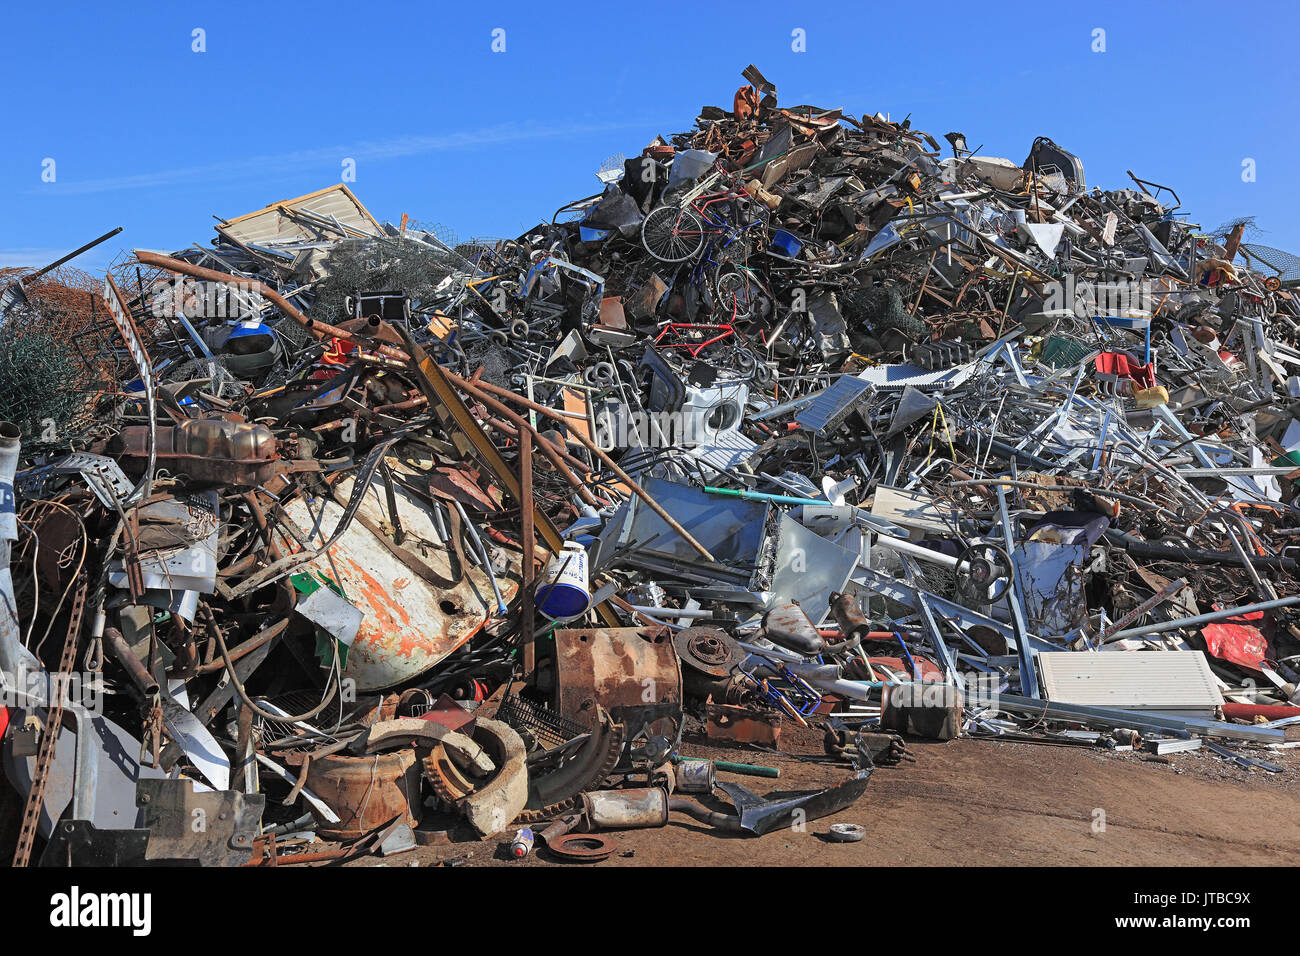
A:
{"points": [[594, 761], [446, 779], [584, 771]]}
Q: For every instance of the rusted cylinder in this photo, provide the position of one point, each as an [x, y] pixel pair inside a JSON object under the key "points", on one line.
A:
{"points": [[366, 792], [849, 616], [134, 667]]}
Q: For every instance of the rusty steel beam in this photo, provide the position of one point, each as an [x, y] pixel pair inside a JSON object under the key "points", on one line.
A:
{"points": [[436, 383], [547, 448], [528, 538]]}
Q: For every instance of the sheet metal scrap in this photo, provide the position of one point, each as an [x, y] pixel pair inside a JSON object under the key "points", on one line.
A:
{"points": [[942, 412]]}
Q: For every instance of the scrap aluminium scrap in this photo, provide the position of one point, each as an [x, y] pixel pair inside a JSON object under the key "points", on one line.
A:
{"points": [[352, 536]]}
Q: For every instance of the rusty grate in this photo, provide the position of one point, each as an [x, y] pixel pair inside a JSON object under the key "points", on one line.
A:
{"points": [[545, 726]]}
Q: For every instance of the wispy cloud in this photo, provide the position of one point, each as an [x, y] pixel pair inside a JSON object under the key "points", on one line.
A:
{"points": [[30, 257], [259, 166]]}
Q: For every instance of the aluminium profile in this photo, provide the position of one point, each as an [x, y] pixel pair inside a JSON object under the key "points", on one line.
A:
{"points": [[1174, 746], [1028, 675], [1138, 720]]}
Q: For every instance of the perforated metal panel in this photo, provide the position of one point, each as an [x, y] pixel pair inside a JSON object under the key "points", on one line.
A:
{"points": [[833, 405]]}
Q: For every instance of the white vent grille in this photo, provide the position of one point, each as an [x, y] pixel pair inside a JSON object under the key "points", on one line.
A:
{"points": [[1134, 680]]}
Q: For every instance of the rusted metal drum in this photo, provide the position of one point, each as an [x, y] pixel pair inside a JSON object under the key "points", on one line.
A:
{"points": [[366, 792]]}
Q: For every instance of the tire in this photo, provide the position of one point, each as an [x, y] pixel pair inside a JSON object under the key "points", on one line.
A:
{"points": [[671, 234]]}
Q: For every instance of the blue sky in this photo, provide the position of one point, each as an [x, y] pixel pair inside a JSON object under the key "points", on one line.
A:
{"points": [[148, 135]]}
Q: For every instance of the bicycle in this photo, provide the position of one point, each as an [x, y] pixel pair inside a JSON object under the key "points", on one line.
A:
{"points": [[677, 231]]}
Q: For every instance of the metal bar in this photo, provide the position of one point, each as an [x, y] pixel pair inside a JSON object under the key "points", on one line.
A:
{"points": [[1168, 591], [53, 729], [1028, 676], [932, 627], [433, 381], [599, 453], [72, 255], [909, 596], [528, 537], [1199, 619], [1138, 720], [317, 329]]}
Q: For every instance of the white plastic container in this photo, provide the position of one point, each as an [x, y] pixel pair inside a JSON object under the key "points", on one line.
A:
{"points": [[563, 593]]}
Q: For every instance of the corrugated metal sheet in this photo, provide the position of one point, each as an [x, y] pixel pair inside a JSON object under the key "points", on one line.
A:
{"points": [[886, 378], [1157, 681], [834, 405]]}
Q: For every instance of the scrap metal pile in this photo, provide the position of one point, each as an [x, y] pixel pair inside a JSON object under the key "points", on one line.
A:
{"points": [[336, 529]]}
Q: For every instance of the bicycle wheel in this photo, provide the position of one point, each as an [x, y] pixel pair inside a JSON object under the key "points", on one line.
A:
{"points": [[671, 234], [735, 297]]}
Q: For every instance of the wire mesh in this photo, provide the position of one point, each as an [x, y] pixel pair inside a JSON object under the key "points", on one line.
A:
{"points": [[1286, 265]]}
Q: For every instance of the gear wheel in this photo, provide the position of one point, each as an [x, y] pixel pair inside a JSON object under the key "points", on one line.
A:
{"points": [[446, 779], [593, 762], [542, 814], [584, 771]]}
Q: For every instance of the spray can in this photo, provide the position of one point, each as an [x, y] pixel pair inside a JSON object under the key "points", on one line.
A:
{"points": [[522, 844]]}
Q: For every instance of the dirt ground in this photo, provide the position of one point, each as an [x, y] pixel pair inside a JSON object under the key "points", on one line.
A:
{"points": [[975, 803]]}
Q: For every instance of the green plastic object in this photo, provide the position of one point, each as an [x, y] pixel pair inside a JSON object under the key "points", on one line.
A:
{"points": [[748, 769], [1060, 352]]}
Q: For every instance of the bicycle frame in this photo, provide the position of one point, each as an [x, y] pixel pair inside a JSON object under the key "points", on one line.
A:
{"points": [[725, 331]]}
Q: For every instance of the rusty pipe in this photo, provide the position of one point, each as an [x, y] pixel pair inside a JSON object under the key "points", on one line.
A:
{"points": [[144, 681], [546, 448], [511, 432], [720, 821], [410, 403], [246, 647], [592, 447], [314, 327]]}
